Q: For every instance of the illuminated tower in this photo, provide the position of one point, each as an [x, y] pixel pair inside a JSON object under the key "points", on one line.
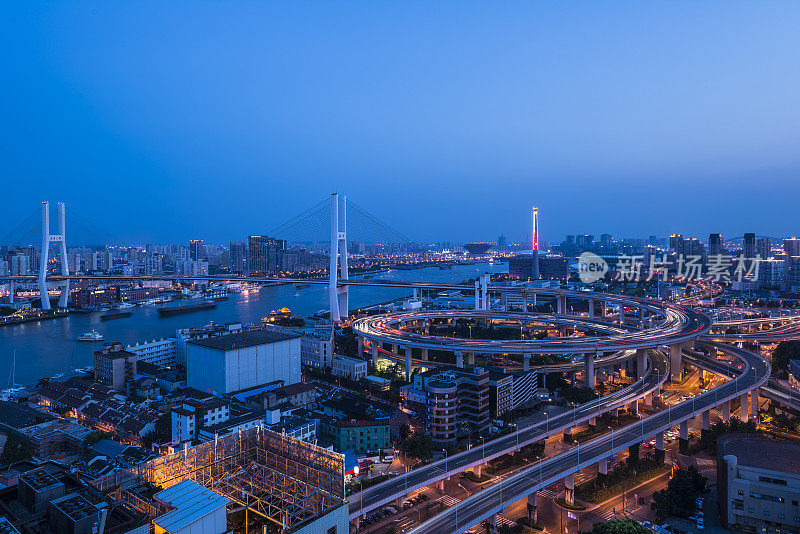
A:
{"points": [[535, 243]]}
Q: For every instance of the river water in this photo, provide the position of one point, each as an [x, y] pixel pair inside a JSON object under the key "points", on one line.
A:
{"points": [[49, 348]]}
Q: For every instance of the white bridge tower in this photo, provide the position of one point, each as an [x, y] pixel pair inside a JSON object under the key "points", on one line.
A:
{"points": [[338, 295], [48, 238]]}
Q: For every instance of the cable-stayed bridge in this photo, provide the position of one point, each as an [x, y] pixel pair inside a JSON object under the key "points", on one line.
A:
{"points": [[328, 225]]}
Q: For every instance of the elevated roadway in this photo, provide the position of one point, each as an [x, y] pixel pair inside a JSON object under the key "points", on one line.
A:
{"points": [[485, 504], [401, 486]]}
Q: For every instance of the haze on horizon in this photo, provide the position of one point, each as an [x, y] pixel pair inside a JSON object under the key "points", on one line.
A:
{"points": [[168, 121]]}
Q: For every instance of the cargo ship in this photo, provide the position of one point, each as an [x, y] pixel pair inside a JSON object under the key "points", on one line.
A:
{"points": [[177, 309], [115, 315]]}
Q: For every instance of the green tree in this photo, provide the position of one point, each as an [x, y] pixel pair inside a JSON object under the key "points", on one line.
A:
{"points": [[619, 526], [678, 498], [418, 445], [96, 435], [785, 351], [404, 431]]}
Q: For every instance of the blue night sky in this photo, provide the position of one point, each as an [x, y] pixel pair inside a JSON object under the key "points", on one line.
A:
{"points": [[164, 121]]}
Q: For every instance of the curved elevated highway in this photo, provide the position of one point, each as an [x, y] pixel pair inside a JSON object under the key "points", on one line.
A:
{"points": [[487, 503], [400, 486]]}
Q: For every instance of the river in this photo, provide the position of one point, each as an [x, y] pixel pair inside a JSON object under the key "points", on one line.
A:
{"points": [[49, 348]]}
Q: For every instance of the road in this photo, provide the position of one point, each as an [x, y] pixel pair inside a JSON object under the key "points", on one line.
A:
{"points": [[403, 485], [485, 504]]}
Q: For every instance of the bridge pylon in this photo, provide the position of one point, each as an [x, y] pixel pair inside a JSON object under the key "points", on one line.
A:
{"points": [[48, 238], [338, 295]]}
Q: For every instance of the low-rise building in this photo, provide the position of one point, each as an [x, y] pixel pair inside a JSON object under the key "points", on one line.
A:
{"points": [[114, 366], [161, 352], [358, 436], [758, 480], [346, 367]]}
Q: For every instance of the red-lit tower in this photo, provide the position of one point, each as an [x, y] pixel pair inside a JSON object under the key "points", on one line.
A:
{"points": [[535, 244]]}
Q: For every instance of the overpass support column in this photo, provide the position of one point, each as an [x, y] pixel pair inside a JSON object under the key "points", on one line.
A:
{"points": [[425, 355], [588, 374], [477, 470], [726, 410], [569, 489], [675, 362], [470, 356], [683, 444], [562, 304], [706, 418], [408, 363], [641, 362], [526, 362], [634, 407], [374, 352], [533, 508], [754, 404], [360, 347], [602, 308], [602, 466], [396, 350], [459, 360], [660, 449], [744, 407], [591, 308]]}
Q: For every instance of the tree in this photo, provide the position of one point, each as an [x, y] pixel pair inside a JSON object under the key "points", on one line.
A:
{"points": [[96, 435], [678, 498], [619, 526], [404, 431], [418, 445], [785, 351]]}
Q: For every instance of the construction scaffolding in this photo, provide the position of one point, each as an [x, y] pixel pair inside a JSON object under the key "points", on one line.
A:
{"points": [[280, 478]]}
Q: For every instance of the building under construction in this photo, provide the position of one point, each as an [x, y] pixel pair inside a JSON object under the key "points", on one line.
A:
{"points": [[296, 485]]}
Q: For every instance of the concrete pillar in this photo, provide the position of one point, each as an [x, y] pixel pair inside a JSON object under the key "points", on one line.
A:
{"points": [[675, 362], [634, 407], [493, 523], [641, 362], [526, 362], [706, 420], [684, 434], [744, 412], [641, 318], [602, 308], [562, 304], [726, 410], [615, 412], [396, 349], [660, 452], [602, 466], [591, 308], [569, 489], [408, 363], [754, 404], [470, 358], [592, 421], [533, 507], [425, 355], [588, 377], [360, 347], [621, 314], [459, 360]]}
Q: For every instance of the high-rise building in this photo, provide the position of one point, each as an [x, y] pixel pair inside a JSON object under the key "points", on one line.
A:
{"points": [[20, 265], [264, 254], [791, 246], [676, 243], [764, 248], [715, 244], [605, 240], [238, 257], [502, 242], [749, 245], [196, 249]]}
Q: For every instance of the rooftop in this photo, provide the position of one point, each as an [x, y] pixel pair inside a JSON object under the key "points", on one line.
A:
{"points": [[243, 340], [763, 453], [190, 501]]}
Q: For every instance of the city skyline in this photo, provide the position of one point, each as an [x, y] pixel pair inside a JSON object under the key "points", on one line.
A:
{"points": [[238, 126]]}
